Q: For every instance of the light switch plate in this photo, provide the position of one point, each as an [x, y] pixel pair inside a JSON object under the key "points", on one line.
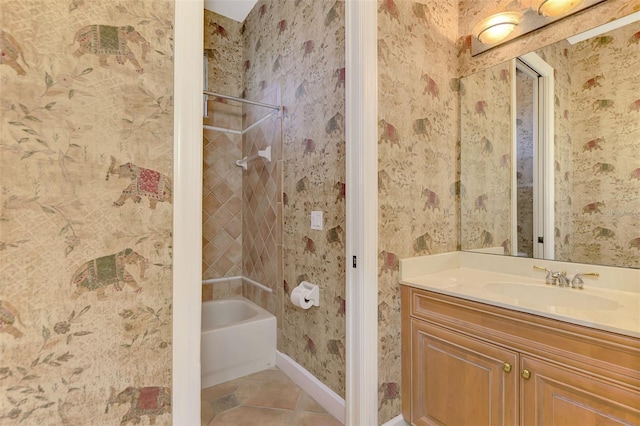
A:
{"points": [[316, 220]]}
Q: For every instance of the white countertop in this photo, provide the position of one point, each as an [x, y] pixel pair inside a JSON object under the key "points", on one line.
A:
{"points": [[473, 276]]}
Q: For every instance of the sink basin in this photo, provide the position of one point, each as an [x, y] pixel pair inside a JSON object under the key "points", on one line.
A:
{"points": [[552, 296]]}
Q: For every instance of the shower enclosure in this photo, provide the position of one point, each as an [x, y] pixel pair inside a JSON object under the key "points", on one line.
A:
{"points": [[242, 197]]}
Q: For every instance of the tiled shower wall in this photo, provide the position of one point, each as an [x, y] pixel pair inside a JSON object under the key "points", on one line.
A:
{"points": [[222, 186], [262, 205], [222, 192], [242, 217]]}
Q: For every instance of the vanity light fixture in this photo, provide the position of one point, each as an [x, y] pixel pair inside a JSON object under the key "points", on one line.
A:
{"points": [[505, 26], [554, 7], [496, 27]]}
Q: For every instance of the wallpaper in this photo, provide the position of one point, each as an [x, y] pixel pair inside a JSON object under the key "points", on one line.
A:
{"points": [[86, 211], [606, 134], [299, 47], [418, 183], [223, 44], [485, 179], [524, 163], [557, 55]]}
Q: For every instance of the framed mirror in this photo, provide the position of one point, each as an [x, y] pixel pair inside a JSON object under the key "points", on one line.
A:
{"points": [[550, 152]]}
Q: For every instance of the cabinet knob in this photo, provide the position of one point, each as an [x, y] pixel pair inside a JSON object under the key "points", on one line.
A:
{"points": [[525, 374], [506, 367]]}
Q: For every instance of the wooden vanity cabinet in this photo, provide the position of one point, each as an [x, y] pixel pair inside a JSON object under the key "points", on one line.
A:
{"points": [[468, 363], [554, 395], [461, 381]]}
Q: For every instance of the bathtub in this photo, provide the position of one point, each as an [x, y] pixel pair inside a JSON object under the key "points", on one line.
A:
{"points": [[238, 338]]}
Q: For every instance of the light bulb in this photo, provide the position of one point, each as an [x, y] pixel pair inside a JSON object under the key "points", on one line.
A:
{"points": [[554, 7], [496, 27]]}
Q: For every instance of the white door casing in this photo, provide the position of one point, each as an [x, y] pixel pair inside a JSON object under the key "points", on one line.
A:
{"points": [[361, 199]]}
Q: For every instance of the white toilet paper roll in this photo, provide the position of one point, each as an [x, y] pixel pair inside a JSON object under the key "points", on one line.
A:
{"points": [[298, 298]]}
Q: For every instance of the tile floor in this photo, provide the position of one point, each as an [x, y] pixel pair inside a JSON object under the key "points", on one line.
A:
{"points": [[267, 398]]}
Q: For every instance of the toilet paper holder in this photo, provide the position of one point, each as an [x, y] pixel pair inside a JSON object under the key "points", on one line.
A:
{"points": [[312, 292]]}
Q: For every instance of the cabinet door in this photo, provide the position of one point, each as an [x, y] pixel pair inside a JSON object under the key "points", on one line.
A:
{"points": [[457, 380], [554, 395]]}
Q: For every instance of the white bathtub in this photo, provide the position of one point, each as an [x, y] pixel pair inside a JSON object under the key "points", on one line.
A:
{"points": [[238, 338]]}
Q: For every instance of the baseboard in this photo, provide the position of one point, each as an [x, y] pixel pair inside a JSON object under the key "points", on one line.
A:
{"points": [[396, 421], [328, 399]]}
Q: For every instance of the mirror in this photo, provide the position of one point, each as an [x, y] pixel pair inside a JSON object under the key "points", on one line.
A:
{"points": [[560, 181]]}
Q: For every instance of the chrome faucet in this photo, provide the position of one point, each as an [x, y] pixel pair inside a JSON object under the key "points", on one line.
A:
{"points": [[561, 280], [550, 279], [577, 281]]}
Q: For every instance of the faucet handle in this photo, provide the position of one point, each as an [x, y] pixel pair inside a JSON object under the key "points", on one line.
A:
{"points": [[589, 274], [550, 279], [561, 279], [578, 282]]}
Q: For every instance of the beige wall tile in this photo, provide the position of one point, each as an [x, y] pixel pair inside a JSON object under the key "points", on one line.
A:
{"points": [[207, 292]]}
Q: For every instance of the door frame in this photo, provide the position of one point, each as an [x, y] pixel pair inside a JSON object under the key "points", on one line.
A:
{"points": [[361, 57], [544, 160], [187, 210], [361, 211]]}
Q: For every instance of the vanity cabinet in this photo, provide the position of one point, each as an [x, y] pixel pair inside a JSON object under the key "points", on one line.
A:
{"points": [[461, 381], [469, 363]]}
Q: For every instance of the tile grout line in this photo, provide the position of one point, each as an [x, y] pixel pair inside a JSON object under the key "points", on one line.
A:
{"points": [[295, 410], [292, 413]]}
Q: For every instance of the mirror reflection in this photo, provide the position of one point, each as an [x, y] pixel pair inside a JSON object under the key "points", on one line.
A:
{"points": [[555, 177]]}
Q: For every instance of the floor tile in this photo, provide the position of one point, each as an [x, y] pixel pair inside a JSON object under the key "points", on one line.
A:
{"points": [[266, 398], [215, 392], [268, 394], [224, 403], [206, 412], [307, 403], [272, 375], [302, 418], [252, 416]]}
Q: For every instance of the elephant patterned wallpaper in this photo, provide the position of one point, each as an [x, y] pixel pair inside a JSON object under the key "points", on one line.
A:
{"points": [[418, 157], [524, 162], [557, 56], [223, 43], [86, 117], [299, 46], [485, 177], [605, 114]]}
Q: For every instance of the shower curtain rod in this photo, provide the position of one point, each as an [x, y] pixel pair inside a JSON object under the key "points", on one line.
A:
{"points": [[246, 101]]}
